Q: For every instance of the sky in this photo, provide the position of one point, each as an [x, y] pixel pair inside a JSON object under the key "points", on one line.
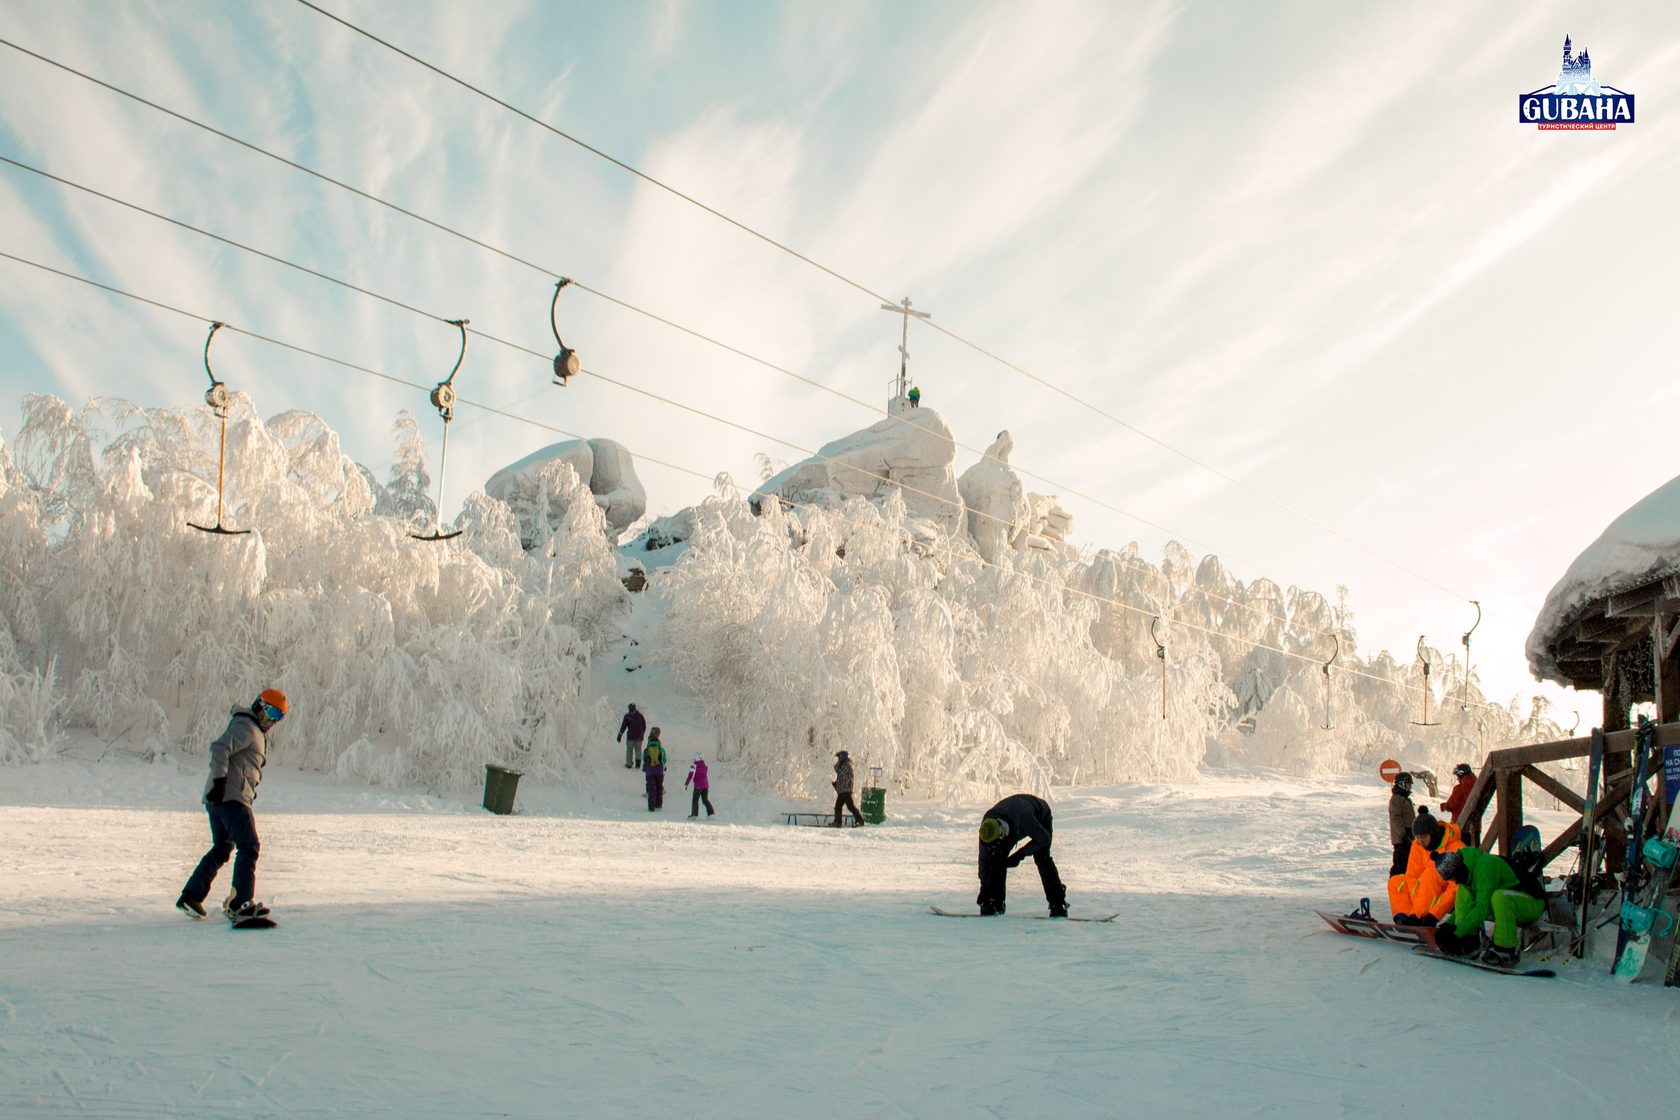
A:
{"points": [[1305, 293]]}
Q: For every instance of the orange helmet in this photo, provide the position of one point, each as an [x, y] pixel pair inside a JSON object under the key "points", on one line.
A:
{"points": [[274, 698]]}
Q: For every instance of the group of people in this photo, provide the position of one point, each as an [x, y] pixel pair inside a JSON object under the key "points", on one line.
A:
{"points": [[650, 758], [1438, 880]]}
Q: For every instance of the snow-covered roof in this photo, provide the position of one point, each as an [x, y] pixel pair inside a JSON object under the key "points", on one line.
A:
{"points": [[1639, 548]]}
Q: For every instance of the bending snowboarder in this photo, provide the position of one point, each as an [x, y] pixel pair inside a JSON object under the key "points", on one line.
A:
{"points": [[1487, 885], [236, 765], [1017, 818]]}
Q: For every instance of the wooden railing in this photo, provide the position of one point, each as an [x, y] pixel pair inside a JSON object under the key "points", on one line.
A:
{"points": [[1504, 771]]}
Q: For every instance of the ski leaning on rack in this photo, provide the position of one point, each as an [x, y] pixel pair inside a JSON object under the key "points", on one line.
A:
{"points": [[1645, 919], [1589, 856], [1642, 744], [1424, 951]]}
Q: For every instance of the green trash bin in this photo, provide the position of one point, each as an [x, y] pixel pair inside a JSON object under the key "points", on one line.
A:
{"points": [[500, 784], [874, 804]]}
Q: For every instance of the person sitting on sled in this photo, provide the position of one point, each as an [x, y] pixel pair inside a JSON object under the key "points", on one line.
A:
{"points": [[1487, 885], [1420, 897], [1017, 818]]}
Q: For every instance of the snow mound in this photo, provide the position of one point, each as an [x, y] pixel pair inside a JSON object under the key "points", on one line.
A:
{"points": [[911, 452], [607, 468], [1639, 547]]}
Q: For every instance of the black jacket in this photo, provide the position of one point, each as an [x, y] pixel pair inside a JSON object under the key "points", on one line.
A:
{"points": [[635, 723], [1028, 818]]}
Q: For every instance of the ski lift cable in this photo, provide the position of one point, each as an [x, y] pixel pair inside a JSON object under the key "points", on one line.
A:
{"points": [[529, 264], [866, 290], [1118, 604], [567, 359]]}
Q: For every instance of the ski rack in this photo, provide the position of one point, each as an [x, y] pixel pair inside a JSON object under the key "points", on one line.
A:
{"points": [[566, 363], [443, 399], [1423, 656], [1329, 725], [1160, 654], [1464, 695], [218, 398]]}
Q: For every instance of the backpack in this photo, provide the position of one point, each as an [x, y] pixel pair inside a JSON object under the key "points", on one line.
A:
{"points": [[1525, 861]]}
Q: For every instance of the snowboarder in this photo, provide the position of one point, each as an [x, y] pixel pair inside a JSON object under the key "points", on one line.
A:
{"points": [[1401, 814], [653, 766], [915, 397], [1486, 885], [635, 725], [1455, 802], [702, 783], [1420, 897], [1021, 817], [842, 784], [236, 765]]}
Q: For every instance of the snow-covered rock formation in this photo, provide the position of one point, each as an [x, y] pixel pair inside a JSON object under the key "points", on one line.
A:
{"points": [[607, 468], [997, 503], [910, 451]]}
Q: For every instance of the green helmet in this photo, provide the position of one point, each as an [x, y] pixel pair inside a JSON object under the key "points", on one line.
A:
{"points": [[992, 830]]}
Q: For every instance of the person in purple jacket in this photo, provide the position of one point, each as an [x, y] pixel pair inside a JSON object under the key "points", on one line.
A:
{"points": [[702, 787]]}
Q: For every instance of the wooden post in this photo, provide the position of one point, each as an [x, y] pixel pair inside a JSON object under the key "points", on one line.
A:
{"points": [[1509, 791]]}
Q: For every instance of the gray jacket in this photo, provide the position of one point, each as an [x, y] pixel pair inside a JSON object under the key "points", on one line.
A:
{"points": [[1401, 814], [238, 755], [843, 776]]}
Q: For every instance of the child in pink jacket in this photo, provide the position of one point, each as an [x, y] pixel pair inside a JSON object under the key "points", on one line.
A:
{"points": [[702, 787]]}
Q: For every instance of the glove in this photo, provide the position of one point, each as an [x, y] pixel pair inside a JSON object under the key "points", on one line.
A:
{"points": [[218, 790], [835, 786], [1014, 860], [1425, 920]]}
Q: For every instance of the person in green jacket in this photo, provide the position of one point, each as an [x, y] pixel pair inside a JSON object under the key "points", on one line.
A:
{"points": [[1486, 886]]}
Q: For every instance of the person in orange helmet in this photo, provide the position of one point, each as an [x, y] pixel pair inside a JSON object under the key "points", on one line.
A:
{"points": [[237, 757]]}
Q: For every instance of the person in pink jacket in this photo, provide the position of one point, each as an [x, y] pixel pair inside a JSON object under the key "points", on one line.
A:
{"points": [[702, 784]]}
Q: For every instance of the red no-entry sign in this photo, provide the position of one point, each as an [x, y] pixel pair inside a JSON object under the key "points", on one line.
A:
{"points": [[1390, 768]]}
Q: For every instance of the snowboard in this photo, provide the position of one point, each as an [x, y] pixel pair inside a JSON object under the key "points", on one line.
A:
{"points": [[259, 922], [1424, 951], [1040, 917], [1644, 742], [1380, 931], [1647, 919]]}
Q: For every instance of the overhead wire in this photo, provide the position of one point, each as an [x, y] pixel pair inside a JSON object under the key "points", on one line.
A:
{"points": [[1136, 564], [871, 292], [514, 257], [1060, 586]]}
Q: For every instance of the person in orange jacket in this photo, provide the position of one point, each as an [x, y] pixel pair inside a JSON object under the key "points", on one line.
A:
{"points": [[1455, 802], [1420, 896]]}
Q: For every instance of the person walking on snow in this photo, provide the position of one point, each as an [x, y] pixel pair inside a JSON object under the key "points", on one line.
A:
{"points": [[1021, 817], [653, 765], [702, 787], [633, 724], [237, 757], [843, 788], [1460, 795], [1401, 814]]}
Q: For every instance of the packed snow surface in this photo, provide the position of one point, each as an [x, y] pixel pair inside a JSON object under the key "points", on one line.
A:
{"points": [[1640, 546], [584, 957]]}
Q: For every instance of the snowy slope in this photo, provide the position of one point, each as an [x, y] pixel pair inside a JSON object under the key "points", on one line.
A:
{"points": [[434, 961]]}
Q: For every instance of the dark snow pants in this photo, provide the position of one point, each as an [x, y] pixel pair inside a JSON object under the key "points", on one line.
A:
{"points": [[694, 805], [994, 876], [232, 825], [844, 801], [655, 787], [1402, 851]]}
